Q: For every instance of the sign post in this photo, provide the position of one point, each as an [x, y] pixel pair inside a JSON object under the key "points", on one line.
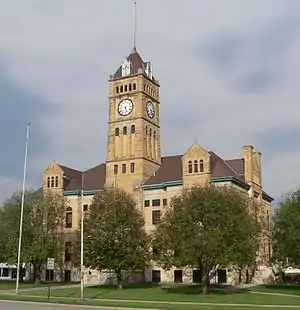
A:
{"points": [[50, 266]]}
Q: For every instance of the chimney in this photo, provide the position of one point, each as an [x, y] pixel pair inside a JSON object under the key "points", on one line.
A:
{"points": [[248, 163], [257, 158]]}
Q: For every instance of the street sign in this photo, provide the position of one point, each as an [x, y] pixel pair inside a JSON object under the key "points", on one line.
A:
{"points": [[50, 264]]}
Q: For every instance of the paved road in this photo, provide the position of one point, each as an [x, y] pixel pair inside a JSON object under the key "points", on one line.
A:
{"points": [[11, 305]]}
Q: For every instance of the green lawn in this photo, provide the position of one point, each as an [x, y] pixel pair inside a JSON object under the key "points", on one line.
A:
{"points": [[133, 305], [277, 288], [180, 293], [10, 285]]}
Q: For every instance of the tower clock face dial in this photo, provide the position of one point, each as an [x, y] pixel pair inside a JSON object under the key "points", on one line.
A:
{"points": [[125, 107], [150, 109]]}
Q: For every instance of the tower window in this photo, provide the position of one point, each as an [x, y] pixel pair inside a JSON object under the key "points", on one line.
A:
{"points": [[190, 166], [56, 181], [125, 87], [132, 128], [117, 131], [117, 89], [132, 167], [146, 130], [115, 169], [134, 86], [124, 130], [154, 134], [201, 164], [85, 208], [150, 132], [129, 86], [195, 166], [52, 181], [121, 89], [48, 182], [124, 168]]}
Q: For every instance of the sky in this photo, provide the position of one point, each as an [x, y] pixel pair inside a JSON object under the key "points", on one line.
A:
{"points": [[229, 74]]}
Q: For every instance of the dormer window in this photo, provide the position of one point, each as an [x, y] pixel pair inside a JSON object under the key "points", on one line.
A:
{"points": [[201, 164], [196, 166], [126, 66], [190, 167], [149, 69]]}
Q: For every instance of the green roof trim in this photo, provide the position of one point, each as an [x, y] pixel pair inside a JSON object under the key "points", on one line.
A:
{"points": [[234, 180], [267, 197], [78, 192], [163, 185]]}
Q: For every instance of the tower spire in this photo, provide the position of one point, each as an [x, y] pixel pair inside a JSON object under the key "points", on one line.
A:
{"points": [[134, 27]]}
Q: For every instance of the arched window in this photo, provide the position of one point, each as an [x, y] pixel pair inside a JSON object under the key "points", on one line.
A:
{"points": [[117, 131], [124, 130], [201, 164], [69, 217], [190, 166], [132, 128], [48, 182], [52, 181], [56, 181], [195, 166]]}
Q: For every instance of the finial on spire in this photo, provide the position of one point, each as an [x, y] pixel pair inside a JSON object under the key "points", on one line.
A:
{"points": [[134, 27]]}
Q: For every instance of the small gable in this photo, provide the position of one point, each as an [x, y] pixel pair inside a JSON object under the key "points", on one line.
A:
{"points": [[196, 160], [53, 168]]}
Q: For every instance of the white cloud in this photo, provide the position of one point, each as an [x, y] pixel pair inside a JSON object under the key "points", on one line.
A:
{"points": [[64, 51]]}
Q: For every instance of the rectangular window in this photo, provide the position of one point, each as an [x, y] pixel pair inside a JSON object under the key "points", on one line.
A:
{"points": [[165, 201], [155, 202], [129, 87], [156, 276], [68, 248], [121, 89], [5, 272], [178, 276], [69, 220], [125, 88], [147, 203], [85, 207], [117, 89], [132, 167], [115, 169], [155, 217], [124, 168], [134, 86]]}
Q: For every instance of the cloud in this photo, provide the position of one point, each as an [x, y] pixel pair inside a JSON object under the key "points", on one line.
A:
{"points": [[228, 70]]}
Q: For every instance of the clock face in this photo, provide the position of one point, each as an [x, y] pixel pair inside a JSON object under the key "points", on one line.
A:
{"points": [[150, 109], [125, 107]]}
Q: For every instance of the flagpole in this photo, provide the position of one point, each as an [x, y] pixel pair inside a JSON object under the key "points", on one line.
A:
{"points": [[81, 243], [22, 208]]}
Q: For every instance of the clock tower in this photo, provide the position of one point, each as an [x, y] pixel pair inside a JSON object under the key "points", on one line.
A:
{"points": [[133, 144]]}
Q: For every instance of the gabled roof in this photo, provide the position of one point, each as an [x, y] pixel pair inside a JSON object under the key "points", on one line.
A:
{"points": [[136, 63]]}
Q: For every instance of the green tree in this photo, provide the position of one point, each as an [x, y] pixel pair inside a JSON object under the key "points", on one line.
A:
{"points": [[206, 228], [43, 234], [286, 230], [114, 234]]}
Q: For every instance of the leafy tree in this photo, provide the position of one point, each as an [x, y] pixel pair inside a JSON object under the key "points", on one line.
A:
{"points": [[43, 234], [286, 230], [114, 235], [207, 227]]}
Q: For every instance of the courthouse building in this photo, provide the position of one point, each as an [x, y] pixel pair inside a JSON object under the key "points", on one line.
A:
{"points": [[134, 162]]}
